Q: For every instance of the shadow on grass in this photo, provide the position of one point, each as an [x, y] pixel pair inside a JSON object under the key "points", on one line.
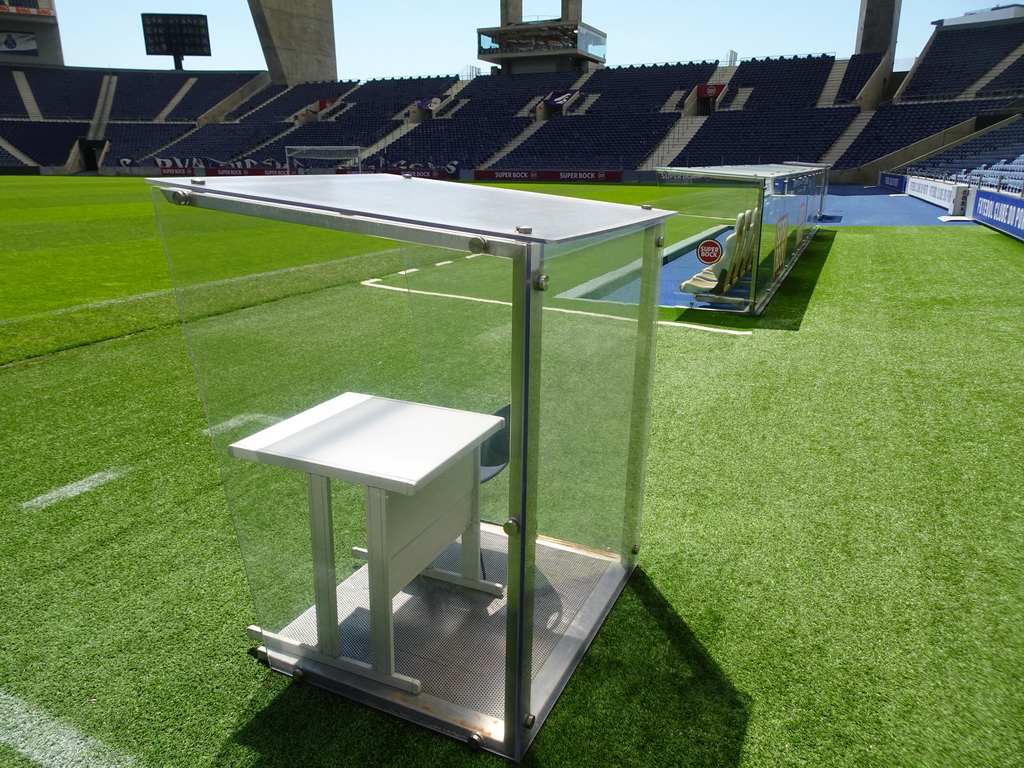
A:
{"points": [[786, 310], [646, 693]]}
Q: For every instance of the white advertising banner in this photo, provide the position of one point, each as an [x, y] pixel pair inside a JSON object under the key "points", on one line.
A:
{"points": [[945, 194]]}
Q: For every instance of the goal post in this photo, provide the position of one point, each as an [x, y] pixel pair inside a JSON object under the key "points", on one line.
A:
{"points": [[320, 159]]}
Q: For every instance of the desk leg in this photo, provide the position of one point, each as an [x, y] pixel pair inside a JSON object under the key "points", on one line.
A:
{"points": [[325, 580], [382, 624], [471, 536]]}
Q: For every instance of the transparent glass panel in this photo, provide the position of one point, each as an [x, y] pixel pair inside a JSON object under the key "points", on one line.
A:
{"points": [[461, 307], [789, 216], [712, 245], [277, 322], [461, 304], [595, 352], [588, 361], [592, 42]]}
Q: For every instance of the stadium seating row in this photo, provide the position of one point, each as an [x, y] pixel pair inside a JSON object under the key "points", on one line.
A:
{"points": [[897, 125], [959, 56], [859, 69], [1000, 149], [780, 83]]}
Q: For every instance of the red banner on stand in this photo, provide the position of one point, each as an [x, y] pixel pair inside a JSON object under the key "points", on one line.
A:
{"points": [[246, 171], [201, 171], [709, 91], [421, 173], [547, 175]]}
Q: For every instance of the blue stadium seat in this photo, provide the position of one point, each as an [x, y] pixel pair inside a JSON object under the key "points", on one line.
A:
{"points": [[47, 143], [959, 56]]}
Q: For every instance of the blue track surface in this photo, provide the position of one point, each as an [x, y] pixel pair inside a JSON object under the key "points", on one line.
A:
{"points": [[847, 205], [857, 206]]}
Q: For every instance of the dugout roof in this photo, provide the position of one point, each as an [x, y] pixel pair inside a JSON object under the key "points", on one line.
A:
{"points": [[743, 172]]}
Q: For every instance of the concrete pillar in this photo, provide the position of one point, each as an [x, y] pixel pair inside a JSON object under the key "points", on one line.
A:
{"points": [[511, 12], [572, 10], [297, 37], [878, 26]]}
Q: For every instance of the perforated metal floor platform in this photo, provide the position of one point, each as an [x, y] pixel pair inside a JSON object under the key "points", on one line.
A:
{"points": [[452, 638]]}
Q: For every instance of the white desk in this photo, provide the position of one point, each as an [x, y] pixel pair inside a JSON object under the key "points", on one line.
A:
{"points": [[420, 466]]}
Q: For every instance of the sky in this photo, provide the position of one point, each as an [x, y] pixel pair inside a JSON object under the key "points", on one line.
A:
{"points": [[396, 38]]}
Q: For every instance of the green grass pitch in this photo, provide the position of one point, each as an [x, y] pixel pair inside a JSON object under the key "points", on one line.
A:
{"points": [[831, 564]]}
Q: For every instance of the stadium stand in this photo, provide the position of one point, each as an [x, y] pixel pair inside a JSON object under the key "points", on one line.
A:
{"points": [[644, 88], [1010, 82], [507, 95], [623, 118], [454, 144], [780, 83], [858, 71], [366, 115], [129, 141], [959, 56], [11, 104], [209, 90], [144, 95], [258, 99], [897, 125], [48, 143], [613, 141], [6, 158], [296, 98], [219, 143], [65, 93], [1000, 149], [802, 135], [481, 119]]}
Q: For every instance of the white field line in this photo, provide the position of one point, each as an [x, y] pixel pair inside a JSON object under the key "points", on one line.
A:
{"points": [[698, 216], [169, 292], [75, 489], [238, 421], [727, 331], [375, 283], [50, 743]]}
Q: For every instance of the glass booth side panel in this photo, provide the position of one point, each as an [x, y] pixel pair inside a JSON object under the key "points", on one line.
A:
{"points": [[790, 207], [461, 307], [278, 321], [591, 404], [710, 250], [588, 369]]}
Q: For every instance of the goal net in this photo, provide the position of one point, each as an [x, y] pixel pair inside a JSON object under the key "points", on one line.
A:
{"points": [[300, 160]]}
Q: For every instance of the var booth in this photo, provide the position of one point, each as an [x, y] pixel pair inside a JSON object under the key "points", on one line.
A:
{"points": [[433, 463]]}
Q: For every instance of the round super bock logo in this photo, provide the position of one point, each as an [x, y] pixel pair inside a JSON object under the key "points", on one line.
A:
{"points": [[709, 251]]}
